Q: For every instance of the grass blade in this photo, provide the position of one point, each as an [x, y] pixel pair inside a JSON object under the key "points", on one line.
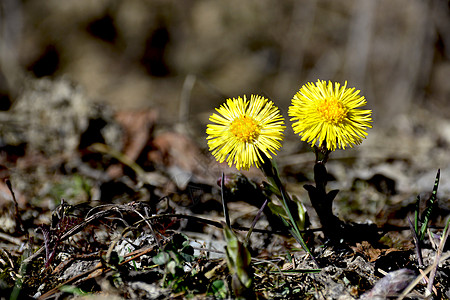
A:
{"points": [[430, 206]]}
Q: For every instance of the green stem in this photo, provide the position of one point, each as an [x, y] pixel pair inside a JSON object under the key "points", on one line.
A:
{"points": [[271, 172]]}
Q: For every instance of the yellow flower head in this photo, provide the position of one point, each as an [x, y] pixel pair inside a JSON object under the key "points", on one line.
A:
{"points": [[243, 130], [331, 115]]}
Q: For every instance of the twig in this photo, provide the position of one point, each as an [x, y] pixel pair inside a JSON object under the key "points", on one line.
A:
{"points": [[383, 229], [19, 224], [433, 241], [420, 277], [258, 215], [136, 254], [71, 232], [97, 267], [416, 243], [438, 255], [114, 242], [219, 225], [224, 202], [7, 256], [56, 289], [10, 239], [271, 263], [129, 207]]}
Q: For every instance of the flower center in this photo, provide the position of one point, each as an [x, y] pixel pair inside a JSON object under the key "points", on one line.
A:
{"points": [[245, 129], [332, 110]]}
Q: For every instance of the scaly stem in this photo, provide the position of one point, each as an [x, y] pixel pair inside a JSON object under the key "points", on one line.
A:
{"points": [[321, 200]]}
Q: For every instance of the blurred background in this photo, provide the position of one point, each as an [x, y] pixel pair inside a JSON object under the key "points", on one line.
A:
{"points": [[139, 54], [183, 58]]}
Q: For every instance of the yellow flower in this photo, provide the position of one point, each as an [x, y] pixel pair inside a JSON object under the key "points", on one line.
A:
{"points": [[244, 130], [330, 115]]}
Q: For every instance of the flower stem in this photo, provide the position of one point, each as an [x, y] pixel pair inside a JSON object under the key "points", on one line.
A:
{"points": [[270, 170], [322, 201]]}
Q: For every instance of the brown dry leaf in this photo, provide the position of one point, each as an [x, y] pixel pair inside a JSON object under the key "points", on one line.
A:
{"points": [[137, 126], [180, 156], [371, 253], [172, 148], [367, 250]]}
